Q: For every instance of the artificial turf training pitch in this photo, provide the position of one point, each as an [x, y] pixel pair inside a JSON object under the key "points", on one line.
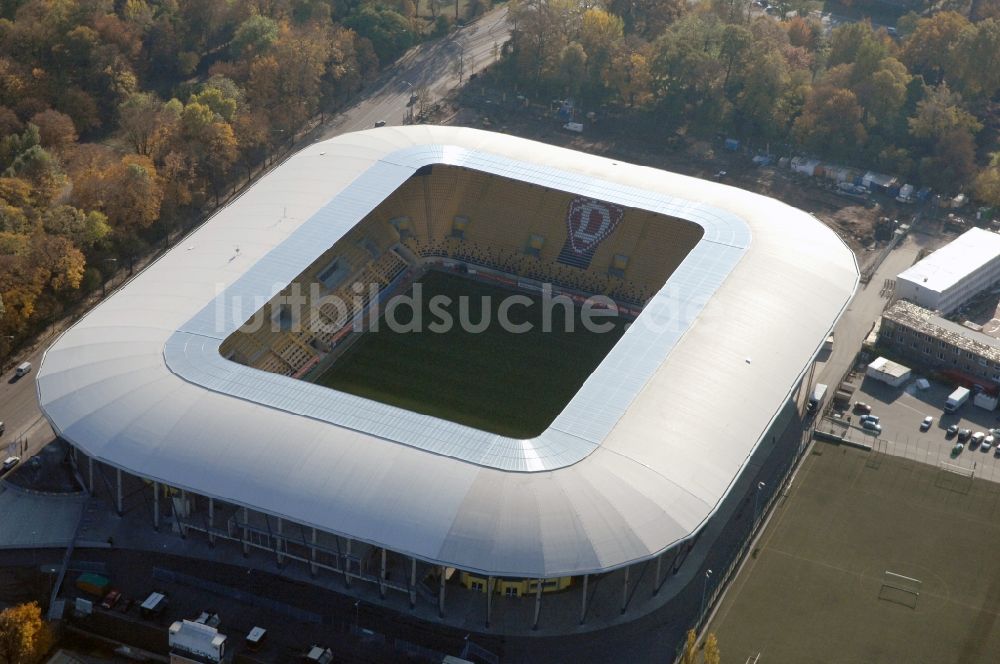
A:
{"points": [[495, 380]]}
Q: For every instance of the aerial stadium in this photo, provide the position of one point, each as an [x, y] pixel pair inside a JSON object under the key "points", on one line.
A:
{"points": [[247, 387]]}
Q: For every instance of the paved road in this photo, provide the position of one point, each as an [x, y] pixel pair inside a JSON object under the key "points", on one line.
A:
{"points": [[864, 309], [430, 66], [27, 431]]}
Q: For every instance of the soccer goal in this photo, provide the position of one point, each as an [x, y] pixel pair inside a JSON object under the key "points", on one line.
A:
{"points": [[955, 478], [900, 589], [958, 470]]}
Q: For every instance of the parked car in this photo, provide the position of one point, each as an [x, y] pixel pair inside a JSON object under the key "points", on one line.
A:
{"points": [[379, 123], [963, 435], [955, 451], [987, 443], [869, 418], [926, 424], [869, 425], [111, 600], [125, 603], [951, 431], [976, 440], [9, 463], [3, 427], [862, 407]]}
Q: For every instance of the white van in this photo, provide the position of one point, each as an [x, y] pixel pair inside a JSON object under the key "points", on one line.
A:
{"points": [[23, 369]]}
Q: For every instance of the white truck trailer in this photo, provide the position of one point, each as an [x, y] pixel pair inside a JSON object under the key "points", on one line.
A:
{"points": [[957, 398]]}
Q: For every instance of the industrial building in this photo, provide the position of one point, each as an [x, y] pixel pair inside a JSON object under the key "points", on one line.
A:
{"points": [[169, 413], [928, 340], [948, 277]]}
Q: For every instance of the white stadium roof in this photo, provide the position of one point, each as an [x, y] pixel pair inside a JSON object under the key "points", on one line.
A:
{"points": [[638, 460]]}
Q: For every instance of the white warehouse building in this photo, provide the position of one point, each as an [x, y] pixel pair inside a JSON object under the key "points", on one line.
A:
{"points": [[945, 279]]}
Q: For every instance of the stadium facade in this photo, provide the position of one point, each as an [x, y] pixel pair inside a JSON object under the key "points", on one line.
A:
{"points": [[171, 407]]}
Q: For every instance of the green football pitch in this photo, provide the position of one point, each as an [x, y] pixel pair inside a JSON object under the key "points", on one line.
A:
{"points": [[495, 380]]}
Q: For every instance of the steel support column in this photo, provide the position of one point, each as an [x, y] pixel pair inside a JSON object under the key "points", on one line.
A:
{"points": [[156, 506], [118, 499], [583, 600], [246, 532], [182, 515], [211, 522], [381, 577], [489, 600], [656, 575], [538, 604], [313, 569], [279, 540], [347, 564], [441, 595], [625, 591], [413, 582]]}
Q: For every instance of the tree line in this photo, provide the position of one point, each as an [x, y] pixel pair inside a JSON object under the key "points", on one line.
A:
{"points": [[919, 103], [121, 119]]}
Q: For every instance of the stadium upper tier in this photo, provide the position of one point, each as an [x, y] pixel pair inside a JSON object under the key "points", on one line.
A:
{"points": [[638, 460], [419, 218]]}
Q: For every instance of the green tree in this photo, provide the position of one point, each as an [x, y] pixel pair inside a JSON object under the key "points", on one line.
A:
{"points": [[977, 73], [83, 229], [390, 32], [254, 36], [572, 68], [951, 165], [882, 93], [941, 111], [140, 117]]}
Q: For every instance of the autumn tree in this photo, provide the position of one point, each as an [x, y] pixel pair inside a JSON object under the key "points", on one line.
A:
{"points": [[648, 18], [56, 131], [141, 118], [830, 123], [601, 34], [24, 636], [208, 142], [631, 75], [712, 654], [802, 33], [931, 50], [987, 184], [127, 190], [690, 654]]}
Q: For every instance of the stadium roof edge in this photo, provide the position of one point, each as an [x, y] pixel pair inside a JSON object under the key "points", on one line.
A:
{"points": [[106, 386]]}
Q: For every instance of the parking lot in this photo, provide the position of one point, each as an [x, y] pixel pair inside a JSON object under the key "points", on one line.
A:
{"points": [[901, 410]]}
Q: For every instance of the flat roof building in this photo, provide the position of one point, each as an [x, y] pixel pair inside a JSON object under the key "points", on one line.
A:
{"points": [[914, 332], [948, 277]]}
